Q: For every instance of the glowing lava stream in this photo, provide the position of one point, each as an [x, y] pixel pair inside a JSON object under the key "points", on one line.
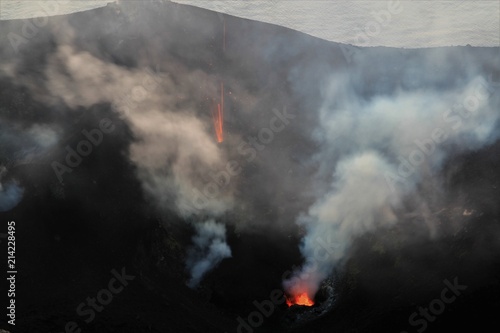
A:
{"points": [[218, 116], [300, 299]]}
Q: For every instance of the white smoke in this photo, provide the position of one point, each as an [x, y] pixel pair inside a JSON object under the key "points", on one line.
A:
{"points": [[209, 249], [377, 152], [175, 149]]}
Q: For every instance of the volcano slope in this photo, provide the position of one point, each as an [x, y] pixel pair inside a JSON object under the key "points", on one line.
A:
{"points": [[110, 163]]}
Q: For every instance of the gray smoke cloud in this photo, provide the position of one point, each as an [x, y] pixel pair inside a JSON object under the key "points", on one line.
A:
{"points": [[10, 195], [377, 152], [20, 146], [175, 148], [209, 249]]}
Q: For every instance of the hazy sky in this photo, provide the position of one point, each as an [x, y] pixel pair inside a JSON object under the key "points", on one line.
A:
{"points": [[410, 24]]}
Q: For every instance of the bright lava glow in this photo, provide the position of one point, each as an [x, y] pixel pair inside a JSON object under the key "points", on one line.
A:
{"points": [[218, 116], [301, 299]]}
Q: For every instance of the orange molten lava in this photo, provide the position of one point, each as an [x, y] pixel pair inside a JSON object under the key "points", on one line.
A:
{"points": [[218, 116], [301, 299]]}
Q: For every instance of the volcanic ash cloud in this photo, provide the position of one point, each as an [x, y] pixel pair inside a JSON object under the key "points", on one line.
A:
{"points": [[376, 153], [209, 249]]}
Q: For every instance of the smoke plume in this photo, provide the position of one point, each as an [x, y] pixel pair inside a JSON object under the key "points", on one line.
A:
{"points": [[378, 151], [209, 249], [10, 195]]}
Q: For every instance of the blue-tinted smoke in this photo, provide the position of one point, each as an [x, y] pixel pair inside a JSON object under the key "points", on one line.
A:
{"points": [[10, 196]]}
